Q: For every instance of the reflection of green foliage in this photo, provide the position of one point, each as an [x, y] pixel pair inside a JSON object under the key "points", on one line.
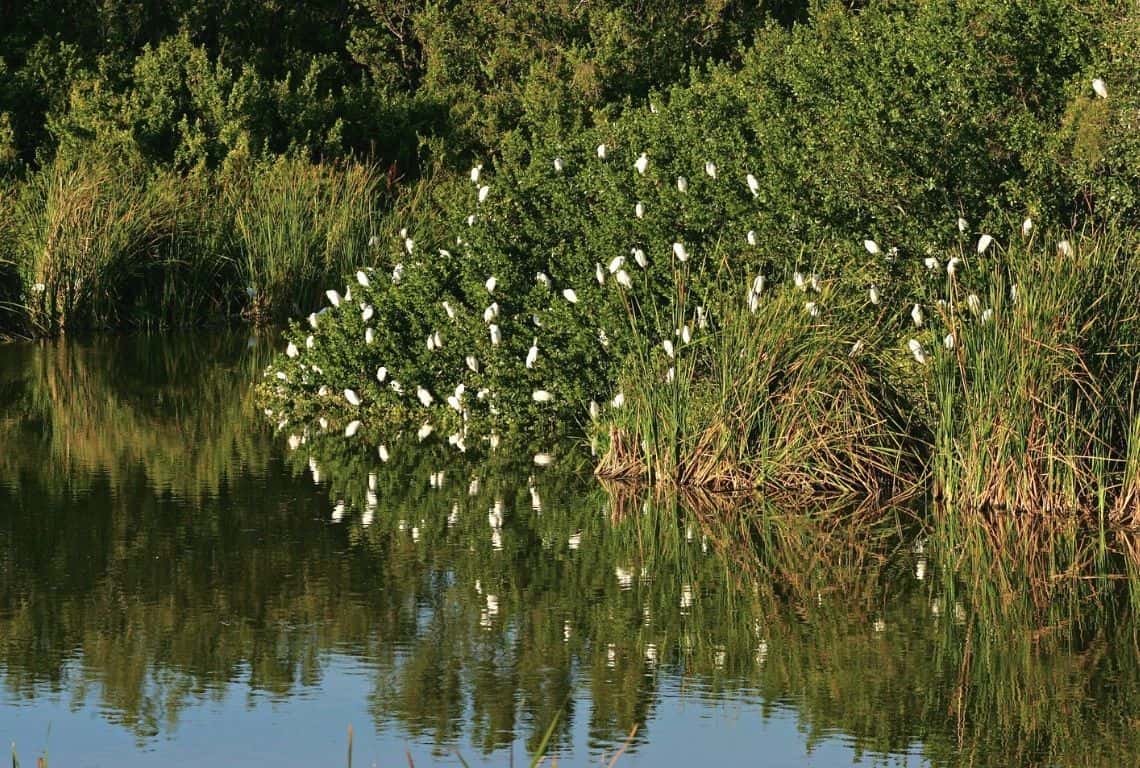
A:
{"points": [[1014, 647]]}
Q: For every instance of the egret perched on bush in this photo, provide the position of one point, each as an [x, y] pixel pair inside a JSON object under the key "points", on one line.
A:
{"points": [[483, 192], [350, 430], [639, 257], [873, 294], [1099, 88], [751, 237], [952, 265], [639, 210], [532, 354], [381, 374], [472, 364], [334, 298], [915, 347], [367, 313], [475, 170], [599, 274], [491, 284], [424, 396], [570, 295], [640, 164], [601, 151], [616, 263], [668, 346], [291, 350], [558, 165], [872, 247], [710, 169], [541, 396], [382, 451], [624, 279], [984, 243], [362, 278], [753, 185], [680, 252], [1026, 227], [682, 184], [496, 335], [351, 397], [916, 315]]}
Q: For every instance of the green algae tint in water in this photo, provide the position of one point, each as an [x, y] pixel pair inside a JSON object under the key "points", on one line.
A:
{"points": [[178, 587]]}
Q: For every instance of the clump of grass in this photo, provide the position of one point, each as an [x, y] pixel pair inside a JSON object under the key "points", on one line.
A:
{"points": [[770, 396], [1036, 406], [297, 223]]}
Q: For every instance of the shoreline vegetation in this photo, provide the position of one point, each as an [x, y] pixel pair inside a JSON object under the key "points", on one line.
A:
{"points": [[829, 253]]}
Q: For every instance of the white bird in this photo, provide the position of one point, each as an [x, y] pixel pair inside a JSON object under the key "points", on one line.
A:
{"points": [[472, 364], [291, 350], [483, 192], [424, 396], [430, 342], [962, 225], [952, 265], [381, 374], [362, 278], [491, 284], [351, 397], [397, 387], [624, 279], [753, 302], [313, 320], [710, 168], [350, 430], [812, 308], [437, 339], [383, 453], [532, 354], [931, 262], [369, 336], [916, 315], [680, 252], [753, 185], [639, 210], [491, 312], [619, 400], [450, 310], [367, 313], [751, 237], [334, 297], [948, 342], [454, 402], [874, 294], [475, 173], [601, 151], [541, 396], [758, 284], [1064, 248], [987, 315], [424, 430], [558, 165], [668, 345], [570, 295], [872, 247], [915, 347], [682, 184], [310, 342], [1100, 88], [984, 243], [470, 223], [640, 164], [1026, 227], [974, 303], [639, 257], [595, 410], [542, 278], [616, 263], [599, 274], [543, 459], [798, 279], [496, 336]]}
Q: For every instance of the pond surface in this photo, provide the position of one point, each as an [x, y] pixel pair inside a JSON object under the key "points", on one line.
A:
{"points": [[180, 586]]}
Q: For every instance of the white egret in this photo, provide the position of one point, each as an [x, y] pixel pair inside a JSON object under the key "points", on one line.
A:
{"points": [[310, 342], [619, 400], [472, 364], [798, 279], [640, 164], [751, 237], [753, 185], [987, 315], [916, 315], [753, 302], [682, 184], [872, 247], [483, 192], [369, 336], [601, 151], [437, 339], [948, 341], [974, 303], [381, 374], [543, 459], [431, 343], [1064, 248], [639, 257], [496, 335], [963, 225], [952, 265], [541, 396], [409, 245], [397, 274], [373, 241], [680, 252], [491, 312], [351, 397], [931, 262], [424, 396], [542, 278], [915, 347], [281, 375], [558, 165], [350, 430], [396, 387], [813, 281], [383, 453], [367, 313], [313, 320], [454, 402], [595, 410], [702, 318], [668, 345], [491, 283], [599, 274], [616, 263], [624, 279], [470, 222], [812, 308], [424, 430], [570, 295], [639, 210], [984, 243], [1099, 88], [710, 169], [475, 173], [686, 333], [873, 294], [758, 284], [362, 278], [291, 350], [532, 354], [1013, 292], [1026, 227], [334, 297]]}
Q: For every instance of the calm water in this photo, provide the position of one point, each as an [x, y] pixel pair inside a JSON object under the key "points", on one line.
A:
{"points": [[177, 586]]}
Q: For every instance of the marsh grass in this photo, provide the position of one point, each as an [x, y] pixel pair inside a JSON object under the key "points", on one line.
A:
{"points": [[1036, 408], [770, 398], [297, 224]]}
